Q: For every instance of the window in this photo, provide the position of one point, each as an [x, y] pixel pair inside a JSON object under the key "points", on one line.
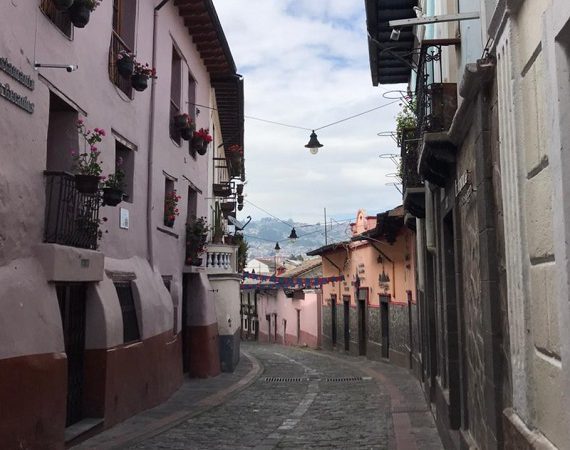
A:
{"points": [[168, 194], [130, 323], [125, 161], [122, 39], [167, 280], [175, 93], [59, 18], [62, 135], [192, 110], [192, 204]]}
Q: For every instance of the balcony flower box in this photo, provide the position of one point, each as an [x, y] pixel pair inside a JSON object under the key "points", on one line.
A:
{"points": [[222, 190], [112, 196]]}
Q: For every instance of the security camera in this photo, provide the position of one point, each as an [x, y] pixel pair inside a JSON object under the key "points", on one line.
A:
{"points": [[395, 34], [419, 12], [72, 67]]}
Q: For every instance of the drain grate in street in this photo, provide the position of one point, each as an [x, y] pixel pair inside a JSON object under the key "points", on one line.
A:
{"points": [[285, 379], [342, 379]]}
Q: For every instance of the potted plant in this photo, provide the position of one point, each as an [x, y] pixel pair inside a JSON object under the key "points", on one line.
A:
{"points": [[200, 140], [235, 152], [86, 164], [171, 208], [239, 189], [196, 235], [113, 187], [140, 76], [125, 63], [80, 12], [183, 124], [62, 5]]}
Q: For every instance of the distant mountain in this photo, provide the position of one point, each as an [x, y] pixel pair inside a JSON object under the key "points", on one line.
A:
{"points": [[262, 235]]}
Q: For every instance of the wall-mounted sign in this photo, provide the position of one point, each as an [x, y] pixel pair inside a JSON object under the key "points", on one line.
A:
{"points": [[17, 99], [124, 218], [16, 73]]}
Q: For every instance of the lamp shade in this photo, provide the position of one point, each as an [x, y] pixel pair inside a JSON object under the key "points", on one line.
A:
{"points": [[314, 143], [293, 234], [277, 248]]}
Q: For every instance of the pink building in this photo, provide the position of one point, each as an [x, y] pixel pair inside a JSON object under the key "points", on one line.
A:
{"points": [[373, 311], [285, 316], [95, 330]]}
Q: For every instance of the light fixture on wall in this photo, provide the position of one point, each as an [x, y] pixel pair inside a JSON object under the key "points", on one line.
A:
{"points": [[68, 67], [313, 144]]}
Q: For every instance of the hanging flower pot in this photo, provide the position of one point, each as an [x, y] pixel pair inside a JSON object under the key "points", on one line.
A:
{"points": [[79, 14], [181, 121], [186, 133], [87, 184], [62, 5], [125, 65], [168, 222], [222, 190], [139, 82], [228, 206], [112, 196], [240, 199], [239, 189], [197, 143], [240, 207]]}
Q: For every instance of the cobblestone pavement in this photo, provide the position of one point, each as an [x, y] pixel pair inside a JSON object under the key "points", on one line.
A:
{"points": [[310, 399]]}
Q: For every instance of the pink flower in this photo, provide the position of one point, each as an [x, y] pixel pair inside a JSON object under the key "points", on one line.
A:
{"points": [[102, 132], [96, 130], [93, 149], [79, 121], [73, 152]]}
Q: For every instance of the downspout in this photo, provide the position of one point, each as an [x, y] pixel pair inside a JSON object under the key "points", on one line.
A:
{"points": [[149, 188]]}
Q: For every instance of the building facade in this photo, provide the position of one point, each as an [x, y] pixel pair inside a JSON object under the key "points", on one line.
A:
{"points": [[373, 312], [482, 176], [101, 313]]}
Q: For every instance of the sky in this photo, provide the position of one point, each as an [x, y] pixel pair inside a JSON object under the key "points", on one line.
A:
{"points": [[305, 63]]}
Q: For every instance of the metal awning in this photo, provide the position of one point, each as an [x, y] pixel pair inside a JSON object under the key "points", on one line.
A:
{"points": [[389, 66]]}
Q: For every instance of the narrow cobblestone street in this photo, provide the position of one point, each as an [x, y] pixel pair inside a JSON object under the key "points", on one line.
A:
{"points": [[302, 399]]}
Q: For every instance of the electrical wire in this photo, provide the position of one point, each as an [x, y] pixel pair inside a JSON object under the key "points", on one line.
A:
{"points": [[357, 115]]}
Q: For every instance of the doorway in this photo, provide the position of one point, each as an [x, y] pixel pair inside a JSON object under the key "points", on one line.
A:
{"points": [[333, 319], [385, 325], [298, 326], [71, 299], [184, 327], [346, 301]]}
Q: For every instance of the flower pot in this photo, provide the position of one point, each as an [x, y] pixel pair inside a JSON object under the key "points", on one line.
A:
{"points": [[228, 207], [203, 149], [222, 190], [87, 184], [186, 133], [240, 199], [112, 196], [239, 189], [195, 261], [197, 144], [180, 122], [139, 82], [240, 207], [125, 67], [168, 222], [79, 14], [62, 5]]}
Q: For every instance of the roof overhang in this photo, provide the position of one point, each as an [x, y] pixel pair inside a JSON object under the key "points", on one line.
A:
{"points": [[389, 67], [329, 248]]}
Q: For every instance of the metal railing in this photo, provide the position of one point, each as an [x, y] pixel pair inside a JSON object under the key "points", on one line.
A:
{"points": [[436, 100], [117, 45], [71, 218]]}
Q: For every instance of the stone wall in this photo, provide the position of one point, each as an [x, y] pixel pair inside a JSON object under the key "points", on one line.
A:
{"points": [[374, 344], [399, 335]]}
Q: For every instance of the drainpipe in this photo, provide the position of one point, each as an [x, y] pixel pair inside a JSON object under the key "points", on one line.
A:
{"points": [[149, 230]]}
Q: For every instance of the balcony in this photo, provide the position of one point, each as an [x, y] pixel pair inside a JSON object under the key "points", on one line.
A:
{"points": [[71, 218], [436, 106], [217, 259]]}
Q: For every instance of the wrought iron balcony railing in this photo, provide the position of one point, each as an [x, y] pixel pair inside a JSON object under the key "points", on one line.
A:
{"points": [[436, 100], [71, 218]]}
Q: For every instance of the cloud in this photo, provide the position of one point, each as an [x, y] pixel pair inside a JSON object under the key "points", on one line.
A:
{"points": [[305, 64]]}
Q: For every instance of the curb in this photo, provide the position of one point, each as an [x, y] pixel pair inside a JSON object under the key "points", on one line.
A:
{"points": [[200, 407]]}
